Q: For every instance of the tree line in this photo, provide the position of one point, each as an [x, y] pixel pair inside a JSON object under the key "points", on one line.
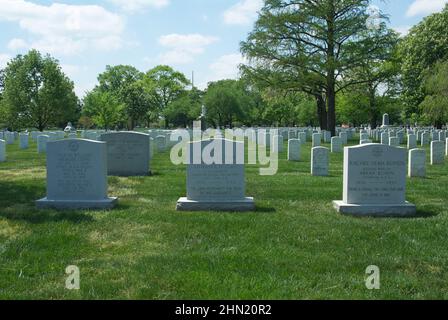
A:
{"points": [[310, 63]]}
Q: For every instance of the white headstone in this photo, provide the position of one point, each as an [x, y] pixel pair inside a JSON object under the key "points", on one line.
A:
{"points": [[317, 139], [302, 137], [2, 150], [394, 141], [375, 181], [437, 152], [42, 141], [336, 145], [216, 183], [344, 137], [425, 139], [294, 148], [76, 176], [412, 141], [161, 143], [417, 163], [128, 153], [10, 138], [385, 138], [319, 161], [23, 140]]}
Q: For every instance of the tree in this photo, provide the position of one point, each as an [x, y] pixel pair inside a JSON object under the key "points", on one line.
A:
{"points": [[424, 46], [310, 45], [37, 93], [124, 83], [103, 108], [224, 103], [164, 85], [435, 104], [185, 109], [377, 77]]}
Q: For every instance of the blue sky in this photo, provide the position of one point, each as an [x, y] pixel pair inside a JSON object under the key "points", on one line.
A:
{"points": [[199, 35]]}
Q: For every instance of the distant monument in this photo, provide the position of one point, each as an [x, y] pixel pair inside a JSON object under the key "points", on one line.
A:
{"points": [[202, 118], [69, 128]]}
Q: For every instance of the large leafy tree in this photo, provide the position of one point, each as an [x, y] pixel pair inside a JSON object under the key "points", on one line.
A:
{"points": [[377, 77], [225, 103], [435, 104], [424, 46], [37, 93], [103, 108], [124, 82], [185, 109], [164, 85], [310, 44]]}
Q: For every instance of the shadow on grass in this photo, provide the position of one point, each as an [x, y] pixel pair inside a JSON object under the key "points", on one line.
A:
{"points": [[261, 209], [17, 202], [38, 217]]}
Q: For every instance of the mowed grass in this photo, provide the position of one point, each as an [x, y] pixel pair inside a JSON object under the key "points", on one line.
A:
{"points": [[295, 246]]}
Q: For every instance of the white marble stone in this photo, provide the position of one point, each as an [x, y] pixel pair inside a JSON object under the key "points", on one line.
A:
{"points": [[425, 139], [446, 147], [412, 141], [2, 150], [319, 161], [417, 163], [336, 145], [23, 141], [344, 137], [216, 187], [302, 137], [294, 150], [42, 141], [76, 176], [375, 181], [365, 141], [394, 141], [161, 143], [128, 153], [327, 136], [317, 140], [9, 137], [277, 147], [385, 138], [437, 152]]}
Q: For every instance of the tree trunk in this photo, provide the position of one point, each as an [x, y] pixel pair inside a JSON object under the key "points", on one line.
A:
{"points": [[321, 111], [331, 82], [373, 111]]}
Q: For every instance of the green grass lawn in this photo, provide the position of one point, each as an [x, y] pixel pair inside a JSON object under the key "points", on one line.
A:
{"points": [[295, 246]]}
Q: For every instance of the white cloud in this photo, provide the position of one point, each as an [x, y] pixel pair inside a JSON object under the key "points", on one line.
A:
{"points": [[64, 29], [138, 5], [4, 58], [183, 48], [17, 44], [402, 30], [425, 7], [243, 13], [225, 67]]}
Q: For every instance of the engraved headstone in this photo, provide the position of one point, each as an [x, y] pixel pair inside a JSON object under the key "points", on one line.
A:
{"points": [[336, 145], [385, 138], [425, 139], [128, 153], [412, 141], [23, 141], [302, 137], [417, 163], [375, 181], [344, 137], [217, 182], [2, 150], [294, 147], [317, 139], [76, 176], [437, 152], [161, 143], [42, 141], [394, 141], [319, 161]]}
